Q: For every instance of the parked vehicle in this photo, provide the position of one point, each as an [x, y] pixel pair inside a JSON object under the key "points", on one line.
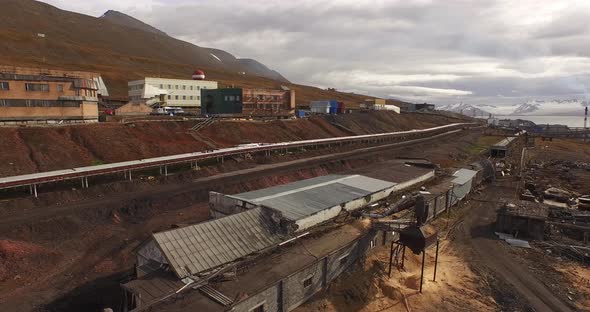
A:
{"points": [[169, 110]]}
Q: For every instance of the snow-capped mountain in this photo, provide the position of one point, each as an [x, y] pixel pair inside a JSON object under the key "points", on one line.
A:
{"points": [[465, 109], [551, 108]]}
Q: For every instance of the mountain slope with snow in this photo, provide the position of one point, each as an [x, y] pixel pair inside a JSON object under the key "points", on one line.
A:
{"points": [[550, 108], [465, 109]]}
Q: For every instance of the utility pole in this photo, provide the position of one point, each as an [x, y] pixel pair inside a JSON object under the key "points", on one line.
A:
{"points": [[586, 124]]}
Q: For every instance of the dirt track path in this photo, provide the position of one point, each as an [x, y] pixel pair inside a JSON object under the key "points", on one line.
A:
{"points": [[478, 233]]}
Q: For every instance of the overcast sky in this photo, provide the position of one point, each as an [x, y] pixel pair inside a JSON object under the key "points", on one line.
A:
{"points": [[478, 52]]}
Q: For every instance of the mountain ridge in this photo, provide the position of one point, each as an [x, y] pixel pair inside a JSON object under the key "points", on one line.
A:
{"points": [[123, 19]]}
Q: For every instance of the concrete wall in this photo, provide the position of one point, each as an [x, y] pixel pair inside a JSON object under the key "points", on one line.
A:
{"points": [[269, 297], [294, 292], [315, 219], [290, 292]]}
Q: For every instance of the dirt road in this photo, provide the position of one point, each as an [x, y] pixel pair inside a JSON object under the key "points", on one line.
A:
{"points": [[477, 233]]}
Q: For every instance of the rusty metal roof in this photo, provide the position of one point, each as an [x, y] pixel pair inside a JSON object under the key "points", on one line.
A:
{"points": [[204, 246]]}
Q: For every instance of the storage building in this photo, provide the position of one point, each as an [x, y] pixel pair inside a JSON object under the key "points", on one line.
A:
{"points": [[33, 95], [222, 101], [502, 148], [462, 184], [327, 107]]}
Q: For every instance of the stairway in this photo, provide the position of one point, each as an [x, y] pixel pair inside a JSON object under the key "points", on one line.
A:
{"points": [[203, 124], [217, 296]]}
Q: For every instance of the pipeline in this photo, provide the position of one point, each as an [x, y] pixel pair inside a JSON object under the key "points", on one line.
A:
{"points": [[404, 203]]}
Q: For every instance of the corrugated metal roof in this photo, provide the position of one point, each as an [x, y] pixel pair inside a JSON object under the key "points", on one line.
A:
{"points": [[504, 143], [463, 176], [304, 198], [207, 245]]}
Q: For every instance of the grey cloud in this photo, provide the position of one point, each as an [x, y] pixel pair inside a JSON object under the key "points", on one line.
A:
{"points": [[495, 50]]}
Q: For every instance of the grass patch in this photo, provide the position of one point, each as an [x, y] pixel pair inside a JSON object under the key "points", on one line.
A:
{"points": [[96, 162]]}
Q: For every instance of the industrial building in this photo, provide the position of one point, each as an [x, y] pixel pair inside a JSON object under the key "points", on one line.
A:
{"points": [[412, 107], [378, 104], [221, 264], [327, 107], [34, 95], [162, 92], [248, 102], [306, 203]]}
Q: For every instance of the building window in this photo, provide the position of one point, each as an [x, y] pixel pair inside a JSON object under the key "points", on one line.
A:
{"points": [[232, 98], [258, 308], [226, 98], [191, 97], [198, 87], [307, 282], [4, 85], [176, 97], [183, 87], [42, 87], [343, 260], [184, 97], [237, 97], [191, 88], [60, 88], [198, 97], [161, 86], [176, 87], [170, 97], [169, 86]]}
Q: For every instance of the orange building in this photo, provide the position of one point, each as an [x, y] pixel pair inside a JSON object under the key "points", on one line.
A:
{"points": [[268, 101], [32, 95]]}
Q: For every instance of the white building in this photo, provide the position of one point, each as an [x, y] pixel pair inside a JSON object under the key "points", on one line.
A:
{"points": [[168, 92]]}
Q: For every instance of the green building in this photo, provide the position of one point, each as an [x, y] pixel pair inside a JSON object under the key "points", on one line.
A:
{"points": [[221, 101]]}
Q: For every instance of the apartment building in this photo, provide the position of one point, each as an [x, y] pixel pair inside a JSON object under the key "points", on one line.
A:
{"points": [[35, 95], [169, 92]]}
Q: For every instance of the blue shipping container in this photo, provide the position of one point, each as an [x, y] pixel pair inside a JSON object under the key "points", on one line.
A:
{"points": [[300, 113], [333, 110], [333, 103]]}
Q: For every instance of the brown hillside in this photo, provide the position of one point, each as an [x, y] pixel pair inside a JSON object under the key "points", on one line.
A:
{"points": [[80, 42], [34, 149]]}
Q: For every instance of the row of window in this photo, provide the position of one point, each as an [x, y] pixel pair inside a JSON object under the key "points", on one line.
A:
{"points": [[232, 98], [182, 87], [170, 87], [36, 87], [185, 97], [37, 103]]}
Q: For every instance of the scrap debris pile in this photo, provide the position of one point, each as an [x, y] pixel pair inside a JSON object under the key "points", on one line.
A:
{"points": [[552, 186]]}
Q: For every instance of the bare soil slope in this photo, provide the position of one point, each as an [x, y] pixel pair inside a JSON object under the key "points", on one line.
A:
{"points": [[35, 149]]}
